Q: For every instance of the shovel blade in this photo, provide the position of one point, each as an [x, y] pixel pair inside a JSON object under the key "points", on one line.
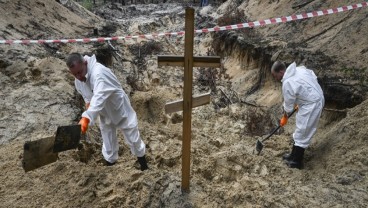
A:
{"points": [[259, 146], [38, 153], [67, 138]]}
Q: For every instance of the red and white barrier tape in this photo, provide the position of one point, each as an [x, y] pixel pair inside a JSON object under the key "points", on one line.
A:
{"points": [[205, 30]]}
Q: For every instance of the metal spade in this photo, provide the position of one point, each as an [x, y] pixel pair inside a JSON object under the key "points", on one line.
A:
{"points": [[67, 138], [259, 145]]}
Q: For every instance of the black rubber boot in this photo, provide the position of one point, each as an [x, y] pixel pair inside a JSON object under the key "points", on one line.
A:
{"points": [[143, 162], [297, 159], [289, 156], [107, 163]]}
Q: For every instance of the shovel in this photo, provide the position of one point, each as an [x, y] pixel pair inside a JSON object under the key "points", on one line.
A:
{"points": [[259, 145], [67, 137], [38, 153], [45, 151]]}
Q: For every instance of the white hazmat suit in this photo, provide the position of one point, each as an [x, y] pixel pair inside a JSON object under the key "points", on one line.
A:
{"points": [[300, 86], [110, 103]]}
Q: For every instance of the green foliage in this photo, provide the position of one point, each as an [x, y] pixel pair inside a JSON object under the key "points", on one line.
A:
{"points": [[88, 4]]}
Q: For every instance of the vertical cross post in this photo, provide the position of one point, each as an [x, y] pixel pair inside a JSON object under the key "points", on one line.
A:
{"points": [[187, 108], [188, 62]]}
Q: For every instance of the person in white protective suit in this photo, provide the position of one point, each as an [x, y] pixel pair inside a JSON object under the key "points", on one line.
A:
{"points": [[105, 98], [299, 88]]}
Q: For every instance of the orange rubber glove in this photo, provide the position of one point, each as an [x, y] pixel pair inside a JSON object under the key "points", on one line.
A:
{"points": [[84, 124], [284, 120], [87, 106]]}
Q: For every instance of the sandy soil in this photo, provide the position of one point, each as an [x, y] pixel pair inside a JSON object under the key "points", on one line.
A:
{"points": [[38, 95]]}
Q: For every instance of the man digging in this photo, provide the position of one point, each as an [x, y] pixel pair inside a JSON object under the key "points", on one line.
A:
{"points": [[105, 98], [299, 87]]}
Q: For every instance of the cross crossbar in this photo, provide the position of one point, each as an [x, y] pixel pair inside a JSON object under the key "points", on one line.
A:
{"points": [[197, 101], [198, 61]]}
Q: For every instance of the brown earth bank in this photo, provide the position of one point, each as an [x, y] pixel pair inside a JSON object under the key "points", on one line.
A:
{"points": [[38, 95]]}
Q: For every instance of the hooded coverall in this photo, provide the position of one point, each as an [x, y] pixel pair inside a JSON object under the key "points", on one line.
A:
{"points": [[300, 86], [110, 103]]}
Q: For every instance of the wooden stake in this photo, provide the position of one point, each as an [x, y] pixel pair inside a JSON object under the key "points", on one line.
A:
{"points": [[188, 61], [187, 108]]}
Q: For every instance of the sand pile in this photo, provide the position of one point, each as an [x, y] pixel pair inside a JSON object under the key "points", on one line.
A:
{"points": [[225, 170], [38, 96]]}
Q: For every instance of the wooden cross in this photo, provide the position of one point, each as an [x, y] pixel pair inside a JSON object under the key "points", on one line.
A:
{"points": [[189, 102]]}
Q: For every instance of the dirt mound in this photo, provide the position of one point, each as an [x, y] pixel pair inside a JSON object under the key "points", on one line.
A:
{"points": [[225, 172], [342, 149], [42, 19], [38, 92], [150, 105], [38, 97]]}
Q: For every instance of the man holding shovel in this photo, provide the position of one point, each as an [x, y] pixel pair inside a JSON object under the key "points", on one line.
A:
{"points": [[105, 98], [299, 87]]}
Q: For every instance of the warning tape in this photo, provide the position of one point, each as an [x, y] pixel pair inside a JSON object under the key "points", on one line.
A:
{"points": [[205, 30]]}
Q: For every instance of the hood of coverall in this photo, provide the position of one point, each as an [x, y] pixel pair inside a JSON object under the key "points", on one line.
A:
{"points": [[91, 61], [290, 71]]}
